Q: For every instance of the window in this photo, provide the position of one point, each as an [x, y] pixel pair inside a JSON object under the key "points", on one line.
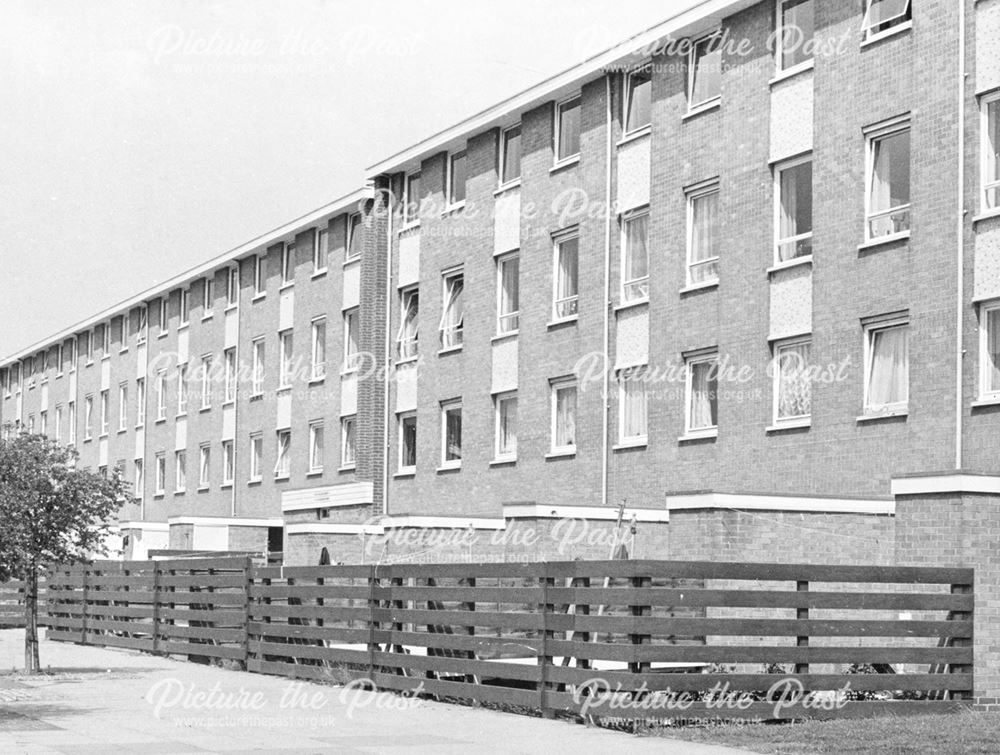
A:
{"points": [[412, 199], [318, 348], [43, 422], [456, 179], [106, 340], [126, 331], [31, 424], [73, 354], [566, 283], [60, 358], [348, 441], [161, 395], [288, 263], [883, 15], [888, 184], [989, 349], [792, 382], [451, 434], [88, 342], [793, 191], [633, 422], [505, 445], [207, 297], [702, 417], [206, 381], [256, 457], [185, 307], [567, 129], [352, 339], [508, 293], [180, 471], [122, 407], [140, 481], [233, 285], [204, 465], [260, 275], [794, 36], [409, 317], [229, 355], [286, 355], [88, 417], [510, 155], [887, 367], [161, 473], [990, 105], [228, 462], [407, 442], [182, 390], [563, 394], [635, 257], [257, 382], [283, 464], [71, 416], [703, 218], [321, 249], [354, 237], [453, 310], [638, 100], [705, 72], [140, 402], [164, 323], [315, 446], [57, 428], [142, 331]]}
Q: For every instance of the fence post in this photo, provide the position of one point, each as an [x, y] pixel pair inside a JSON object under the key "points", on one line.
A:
{"points": [[638, 638], [962, 668], [247, 589], [545, 659], [156, 607], [801, 614], [83, 619], [372, 579]]}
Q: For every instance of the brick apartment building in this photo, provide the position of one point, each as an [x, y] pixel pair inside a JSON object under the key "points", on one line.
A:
{"points": [[751, 289]]}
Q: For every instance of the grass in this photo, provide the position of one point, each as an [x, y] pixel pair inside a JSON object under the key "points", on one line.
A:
{"points": [[955, 734]]}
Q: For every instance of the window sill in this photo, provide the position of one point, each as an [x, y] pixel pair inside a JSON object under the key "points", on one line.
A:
{"points": [[203, 488], [183, 326], [405, 474], [256, 396], [634, 136], [889, 414], [208, 316], [631, 304], [993, 212], [282, 478], [226, 486], [566, 162], [102, 436], [453, 208], [407, 360], [256, 481], [563, 454], [445, 468], [409, 226], [227, 402], [314, 473], [876, 38], [561, 322], [790, 73], [122, 430], [317, 380], [182, 491], [283, 389], [285, 286], [703, 286], [349, 371], [204, 409], [160, 420], [705, 107], [161, 334], [318, 274], [348, 261], [259, 297], [104, 358], [986, 401], [631, 443], [509, 186], [231, 307], [696, 435], [504, 462], [449, 350], [789, 264], [505, 336], [884, 241], [122, 350], [158, 495], [780, 427], [140, 426], [347, 468]]}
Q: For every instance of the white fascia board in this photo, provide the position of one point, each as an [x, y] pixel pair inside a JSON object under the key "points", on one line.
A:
{"points": [[946, 483], [699, 17], [816, 505], [144, 526], [325, 528], [442, 522], [222, 520], [336, 207], [594, 513]]}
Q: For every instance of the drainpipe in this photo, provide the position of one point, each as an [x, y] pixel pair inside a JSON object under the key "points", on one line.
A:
{"points": [[388, 209], [605, 418], [960, 241]]}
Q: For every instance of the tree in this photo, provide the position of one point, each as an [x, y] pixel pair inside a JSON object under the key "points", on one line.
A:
{"points": [[52, 512]]}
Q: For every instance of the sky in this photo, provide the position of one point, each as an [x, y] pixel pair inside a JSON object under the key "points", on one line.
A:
{"points": [[142, 138]]}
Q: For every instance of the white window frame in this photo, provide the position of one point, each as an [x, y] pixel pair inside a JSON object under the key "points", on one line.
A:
{"points": [[348, 451], [122, 407], [505, 136], [628, 129], [142, 332], [625, 376], [693, 194], [206, 381], [256, 457], [556, 385], [74, 353], [260, 276], [164, 316], [985, 310], [126, 333], [207, 297], [160, 473], [874, 134], [446, 407], [106, 340], [354, 224], [286, 355], [801, 420], [71, 416], [692, 58], [408, 349], [161, 395], [140, 402], [870, 329], [705, 357], [321, 250], [451, 338], [352, 359], [986, 154], [182, 390], [204, 466], [228, 462], [318, 349], [180, 471], [900, 22], [499, 400], [60, 356], [257, 378], [401, 468], [230, 366], [779, 168], [185, 316], [559, 107], [57, 428], [279, 473], [138, 492], [288, 263], [557, 241], [625, 297], [233, 286], [316, 449], [411, 206], [779, 61], [452, 203], [508, 323]]}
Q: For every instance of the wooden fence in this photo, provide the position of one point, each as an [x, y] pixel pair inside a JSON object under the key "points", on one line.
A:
{"points": [[11, 604], [628, 639]]}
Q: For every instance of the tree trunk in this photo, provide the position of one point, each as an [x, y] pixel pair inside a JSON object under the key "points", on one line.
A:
{"points": [[31, 662]]}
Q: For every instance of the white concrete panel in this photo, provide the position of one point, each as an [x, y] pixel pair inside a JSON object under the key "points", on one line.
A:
{"points": [[634, 174], [102, 452], [406, 387], [352, 285], [283, 410], [180, 433], [43, 399], [632, 336], [987, 272], [409, 258], [349, 394], [105, 374], [183, 346], [987, 45], [139, 452], [349, 494], [232, 327], [229, 422], [72, 386], [791, 302], [792, 116], [504, 365], [141, 356], [507, 221], [286, 308], [210, 537]]}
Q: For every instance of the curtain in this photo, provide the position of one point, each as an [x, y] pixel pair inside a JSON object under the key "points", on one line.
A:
{"points": [[993, 153], [637, 255], [509, 290], [284, 442], [565, 417], [567, 284], [707, 72], [348, 452], [508, 427], [453, 431], [705, 211], [890, 182], [451, 320], [634, 409], [408, 326], [993, 350], [796, 210], [794, 386], [704, 399], [888, 381], [409, 442]]}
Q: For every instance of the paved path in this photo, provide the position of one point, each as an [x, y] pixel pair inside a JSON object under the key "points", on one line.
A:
{"points": [[113, 701]]}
